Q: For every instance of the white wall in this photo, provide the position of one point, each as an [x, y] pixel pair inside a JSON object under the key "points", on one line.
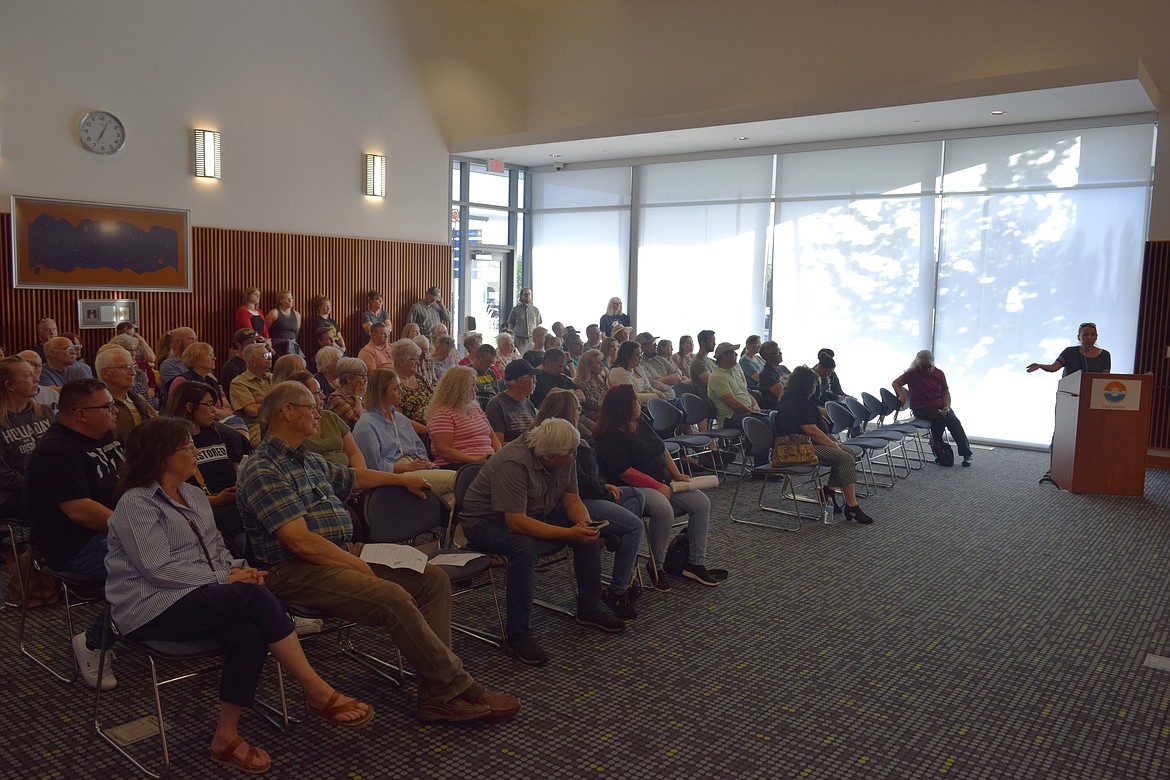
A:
{"points": [[299, 89]]}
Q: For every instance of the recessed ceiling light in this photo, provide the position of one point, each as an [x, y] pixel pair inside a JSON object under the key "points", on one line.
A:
{"points": [[998, 112], [556, 154], [742, 138]]}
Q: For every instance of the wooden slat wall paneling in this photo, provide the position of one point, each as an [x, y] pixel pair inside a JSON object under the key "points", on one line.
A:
{"points": [[226, 262], [1154, 337]]}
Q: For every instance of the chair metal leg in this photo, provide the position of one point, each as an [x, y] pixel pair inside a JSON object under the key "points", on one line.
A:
{"points": [[74, 671]]}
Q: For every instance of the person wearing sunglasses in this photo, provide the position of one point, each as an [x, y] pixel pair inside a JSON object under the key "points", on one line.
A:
{"points": [[70, 490]]}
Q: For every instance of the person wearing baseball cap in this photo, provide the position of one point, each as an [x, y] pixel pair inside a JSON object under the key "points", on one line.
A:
{"points": [[430, 311], [660, 371], [727, 389], [511, 412], [235, 365]]}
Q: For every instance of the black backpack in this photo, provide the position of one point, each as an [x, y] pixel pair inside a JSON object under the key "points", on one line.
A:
{"points": [[944, 454], [678, 552]]}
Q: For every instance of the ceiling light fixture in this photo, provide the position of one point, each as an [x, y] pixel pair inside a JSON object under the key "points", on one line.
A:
{"points": [[998, 112]]}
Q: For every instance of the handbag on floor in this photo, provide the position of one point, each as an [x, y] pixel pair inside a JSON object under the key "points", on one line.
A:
{"points": [[678, 552], [795, 449], [42, 590], [944, 454]]}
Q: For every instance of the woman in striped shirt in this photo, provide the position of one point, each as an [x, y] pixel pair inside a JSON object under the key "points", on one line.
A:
{"points": [[459, 429], [170, 577]]}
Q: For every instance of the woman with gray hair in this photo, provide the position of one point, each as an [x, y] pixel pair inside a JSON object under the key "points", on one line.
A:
{"points": [[930, 400], [131, 345], [425, 368], [415, 391], [347, 400], [326, 362], [443, 356]]}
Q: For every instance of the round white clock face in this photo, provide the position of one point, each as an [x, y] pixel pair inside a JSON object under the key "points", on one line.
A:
{"points": [[101, 132]]}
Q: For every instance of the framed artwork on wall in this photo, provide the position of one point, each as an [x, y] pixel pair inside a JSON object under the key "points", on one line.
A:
{"points": [[75, 245]]}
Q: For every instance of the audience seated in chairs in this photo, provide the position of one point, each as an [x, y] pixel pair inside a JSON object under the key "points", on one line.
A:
{"points": [[535, 356], [630, 453], [459, 429], [619, 507], [292, 504], [416, 392], [685, 355], [115, 367], [552, 376], [347, 401], [727, 390], [326, 362], [236, 365], [220, 451], [333, 440], [772, 376], [171, 578], [627, 371], [930, 400], [592, 383], [505, 351], [248, 389], [61, 364], [443, 356], [798, 414], [608, 349], [702, 365], [199, 358], [23, 422], [390, 443], [751, 362], [46, 395], [656, 366], [172, 364], [70, 489], [528, 493], [511, 412], [378, 353], [285, 366], [471, 344]]}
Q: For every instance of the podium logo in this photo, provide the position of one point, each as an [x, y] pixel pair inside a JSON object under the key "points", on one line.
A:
{"points": [[1115, 392]]}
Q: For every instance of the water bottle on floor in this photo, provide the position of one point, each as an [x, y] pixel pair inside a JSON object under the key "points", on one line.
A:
{"points": [[828, 515]]}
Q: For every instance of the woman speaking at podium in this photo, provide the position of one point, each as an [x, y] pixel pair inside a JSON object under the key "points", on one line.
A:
{"points": [[1087, 356]]}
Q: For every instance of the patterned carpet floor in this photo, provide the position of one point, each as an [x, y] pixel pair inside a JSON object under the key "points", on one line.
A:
{"points": [[984, 627]]}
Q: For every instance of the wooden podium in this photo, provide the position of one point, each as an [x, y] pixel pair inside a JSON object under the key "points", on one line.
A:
{"points": [[1102, 433]]}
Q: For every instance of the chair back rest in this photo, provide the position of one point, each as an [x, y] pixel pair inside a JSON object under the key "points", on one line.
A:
{"points": [[891, 403], [463, 479], [759, 435], [840, 416], [397, 516], [874, 406], [664, 417], [695, 408], [861, 415]]}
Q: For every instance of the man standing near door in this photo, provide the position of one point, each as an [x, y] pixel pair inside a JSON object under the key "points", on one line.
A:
{"points": [[523, 318]]}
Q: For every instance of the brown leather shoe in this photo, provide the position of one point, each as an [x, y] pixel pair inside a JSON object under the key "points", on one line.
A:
{"points": [[456, 710], [501, 706]]}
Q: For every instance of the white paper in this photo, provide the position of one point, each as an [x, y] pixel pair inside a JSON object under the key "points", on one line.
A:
{"points": [[1116, 394], [705, 482], [455, 559], [396, 556]]}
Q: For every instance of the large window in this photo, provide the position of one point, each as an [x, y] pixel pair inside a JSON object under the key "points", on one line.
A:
{"points": [[987, 250]]}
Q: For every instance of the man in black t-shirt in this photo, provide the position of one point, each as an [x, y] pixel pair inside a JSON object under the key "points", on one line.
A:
{"points": [[70, 492], [235, 365], [552, 374]]}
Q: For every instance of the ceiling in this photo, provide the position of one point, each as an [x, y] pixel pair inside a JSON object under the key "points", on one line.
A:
{"points": [[796, 126]]}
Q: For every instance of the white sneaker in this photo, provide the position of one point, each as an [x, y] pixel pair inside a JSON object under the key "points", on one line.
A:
{"points": [[307, 626], [87, 661]]}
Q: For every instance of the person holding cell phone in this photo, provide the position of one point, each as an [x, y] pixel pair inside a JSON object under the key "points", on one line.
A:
{"points": [[525, 493]]}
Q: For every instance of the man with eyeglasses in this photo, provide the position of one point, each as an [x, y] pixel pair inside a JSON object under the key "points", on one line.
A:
{"points": [[249, 388], [70, 490], [292, 505], [115, 367], [61, 363]]}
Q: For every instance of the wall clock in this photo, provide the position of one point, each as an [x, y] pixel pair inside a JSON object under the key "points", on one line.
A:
{"points": [[101, 132]]}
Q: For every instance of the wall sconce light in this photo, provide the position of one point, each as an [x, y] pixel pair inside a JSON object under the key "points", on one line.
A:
{"points": [[207, 159], [375, 179]]}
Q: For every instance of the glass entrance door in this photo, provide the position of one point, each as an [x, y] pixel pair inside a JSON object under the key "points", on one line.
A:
{"points": [[484, 292]]}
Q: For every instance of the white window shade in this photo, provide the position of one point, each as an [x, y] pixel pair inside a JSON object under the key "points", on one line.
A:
{"points": [[579, 261]]}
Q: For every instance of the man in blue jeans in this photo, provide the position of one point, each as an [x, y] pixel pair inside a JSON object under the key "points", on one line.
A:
{"points": [[70, 491], [527, 492]]}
